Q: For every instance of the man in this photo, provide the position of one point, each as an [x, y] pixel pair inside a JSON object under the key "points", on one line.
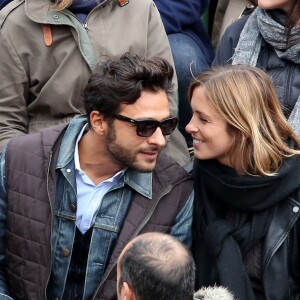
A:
{"points": [[43, 73], [155, 266], [72, 197]]}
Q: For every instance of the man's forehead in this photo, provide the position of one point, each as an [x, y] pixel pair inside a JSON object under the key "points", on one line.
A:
{"points": [[149, 106]]}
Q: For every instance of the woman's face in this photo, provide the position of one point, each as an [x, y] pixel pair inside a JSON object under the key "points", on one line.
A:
{"points": [[209, 130], [275, 4]]}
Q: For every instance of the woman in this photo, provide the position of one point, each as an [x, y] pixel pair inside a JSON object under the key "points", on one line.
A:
{"points": [[247, 186], [269, 39]]}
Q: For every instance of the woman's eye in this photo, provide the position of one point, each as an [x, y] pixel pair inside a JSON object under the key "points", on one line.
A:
{"points": [[203, 120]]}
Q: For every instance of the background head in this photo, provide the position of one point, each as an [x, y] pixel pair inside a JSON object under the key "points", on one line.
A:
{"points": [[117, 82], [155, 266], [245, 98]]}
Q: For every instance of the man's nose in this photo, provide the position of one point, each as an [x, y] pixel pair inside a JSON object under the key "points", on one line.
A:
{"points": [[157, 138]]}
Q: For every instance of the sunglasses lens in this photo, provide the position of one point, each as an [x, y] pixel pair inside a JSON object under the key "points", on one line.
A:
{"points": [[146, 128], [168, 126]]}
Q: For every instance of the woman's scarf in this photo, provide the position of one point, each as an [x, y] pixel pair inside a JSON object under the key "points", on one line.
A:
{"points": [[219, 245], [261, 25]]}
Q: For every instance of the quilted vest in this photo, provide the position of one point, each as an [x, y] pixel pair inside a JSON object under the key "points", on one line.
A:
{"points": [[30, 176]]}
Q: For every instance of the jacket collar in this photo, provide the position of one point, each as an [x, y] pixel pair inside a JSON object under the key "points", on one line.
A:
{"points": [[40, 11], [140, 182]]}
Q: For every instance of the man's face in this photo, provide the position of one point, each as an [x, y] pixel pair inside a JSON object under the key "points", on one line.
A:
{"points": [[122, 142]]}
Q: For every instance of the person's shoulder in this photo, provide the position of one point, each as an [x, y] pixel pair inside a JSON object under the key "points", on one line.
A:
{"points": [[29, 142], [138, 4], [168, 170], [12, 11], [229, 41], [235, 28]]}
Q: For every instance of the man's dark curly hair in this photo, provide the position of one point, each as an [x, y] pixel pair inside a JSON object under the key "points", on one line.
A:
{"points": [[116, 82]]}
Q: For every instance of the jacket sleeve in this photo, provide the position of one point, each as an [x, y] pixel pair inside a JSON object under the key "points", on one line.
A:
{"points": [[228, 42], [3, 211], [182, 228], [179, 15], [13, 92]]}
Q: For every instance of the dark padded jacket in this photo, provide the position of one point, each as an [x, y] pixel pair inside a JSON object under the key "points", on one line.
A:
{"points": [[285, 74], [31, 193]]}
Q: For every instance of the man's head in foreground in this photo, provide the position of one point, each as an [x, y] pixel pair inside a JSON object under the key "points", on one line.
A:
{"points": [[155, 266], [128, 110]]}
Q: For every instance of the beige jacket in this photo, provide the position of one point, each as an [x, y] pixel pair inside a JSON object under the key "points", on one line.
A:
{"points": [[43, 69]]}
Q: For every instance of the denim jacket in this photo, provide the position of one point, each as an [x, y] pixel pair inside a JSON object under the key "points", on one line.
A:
{"points": [[107, 225]]}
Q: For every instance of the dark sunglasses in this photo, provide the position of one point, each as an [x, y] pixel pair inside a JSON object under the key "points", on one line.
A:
{"points": [[146, 128]]}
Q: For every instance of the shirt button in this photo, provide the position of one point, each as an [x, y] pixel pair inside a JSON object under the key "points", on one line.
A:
{"points": [[69, 170], [72, 207], [295, 209], [66, 252], [55, 17]]}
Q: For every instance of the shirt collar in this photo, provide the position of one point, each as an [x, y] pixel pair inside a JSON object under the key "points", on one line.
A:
{"points": [[66, 152], [141, 182]]}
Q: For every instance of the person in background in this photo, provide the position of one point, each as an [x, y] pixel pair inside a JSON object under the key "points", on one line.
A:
{"points": [[72, 196], [269, 39], [155, 266], [247, 186], [43, 72], [190, 45], [226, 12]]}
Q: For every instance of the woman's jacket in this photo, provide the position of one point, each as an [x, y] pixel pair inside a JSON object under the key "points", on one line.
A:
{"points": [[235, 215]]}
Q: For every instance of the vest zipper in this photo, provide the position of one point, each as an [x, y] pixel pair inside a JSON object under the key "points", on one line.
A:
{"points": [[146, 219], [51, 227]]}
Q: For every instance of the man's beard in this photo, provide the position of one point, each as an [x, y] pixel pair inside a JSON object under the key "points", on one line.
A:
{"points": [[124, 156]]}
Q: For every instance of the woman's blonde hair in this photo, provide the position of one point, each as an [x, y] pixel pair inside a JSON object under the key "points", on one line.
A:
{"points": [[61, 4], [245, 97]]}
